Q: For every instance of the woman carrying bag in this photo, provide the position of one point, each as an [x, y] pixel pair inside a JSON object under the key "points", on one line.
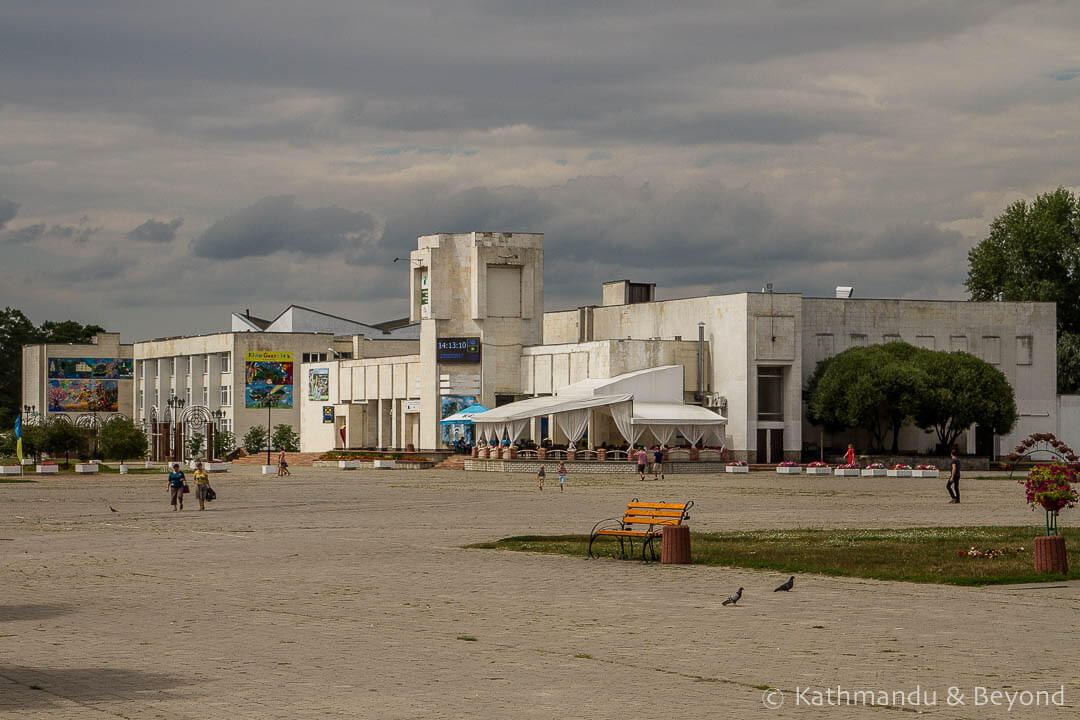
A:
{"points": [[203, 491], [177, 487]]}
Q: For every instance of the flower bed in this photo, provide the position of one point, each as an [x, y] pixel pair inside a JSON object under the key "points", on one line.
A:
{"points": [[875, 470], [738, 466], [848, 470], [900, 470], [925, 471], [361, 455], [818, 468], [788, 468]]}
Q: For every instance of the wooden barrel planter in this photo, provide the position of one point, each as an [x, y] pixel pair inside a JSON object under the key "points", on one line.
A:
{"points": [[675, 545], [1050, 555]]}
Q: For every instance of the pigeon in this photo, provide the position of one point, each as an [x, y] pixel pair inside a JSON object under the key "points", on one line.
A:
{"points": [[113, 509], [786, 586], [734, 598]]}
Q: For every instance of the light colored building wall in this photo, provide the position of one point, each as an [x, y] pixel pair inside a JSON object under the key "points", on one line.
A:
{"points": [[35, 370], [989, 330]]}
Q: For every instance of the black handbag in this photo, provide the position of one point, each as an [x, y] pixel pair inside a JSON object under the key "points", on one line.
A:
{"points": [[186, 489], [210, 494]]}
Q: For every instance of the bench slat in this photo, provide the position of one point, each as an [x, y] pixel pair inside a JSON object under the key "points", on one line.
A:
{"points": [[628, 533], [658, 506], [637, 520], [655, 513]]}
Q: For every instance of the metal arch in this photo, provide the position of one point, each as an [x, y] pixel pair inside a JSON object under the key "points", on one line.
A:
{"points": [[87, 420], [33, 418], [153, 413], [59, 417], [197, 417]]}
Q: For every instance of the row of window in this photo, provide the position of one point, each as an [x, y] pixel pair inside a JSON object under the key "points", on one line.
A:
{"points": [[989, 347], [226, 397], [204, 361]]}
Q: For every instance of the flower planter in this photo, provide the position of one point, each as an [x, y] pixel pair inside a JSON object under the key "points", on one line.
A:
{"points": [[269, 469], [10, 469], [27, 461], [789, 470], [384, 464], [86, 468], [925, 473], [1050, 555], [819, 471], [217, 466], [348, 464], [898, 473], [48, 469], [847, 472], [874, 472], [737, 468], [123, 469]]}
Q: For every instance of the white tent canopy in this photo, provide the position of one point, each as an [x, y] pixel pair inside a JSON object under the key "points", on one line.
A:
{"points": [[638, 401]]}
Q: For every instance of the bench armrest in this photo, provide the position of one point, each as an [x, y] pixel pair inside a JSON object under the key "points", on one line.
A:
{"points": [[612, 523]]}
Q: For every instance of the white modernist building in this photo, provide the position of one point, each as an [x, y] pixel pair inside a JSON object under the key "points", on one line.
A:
{"points": [[726, 368]]}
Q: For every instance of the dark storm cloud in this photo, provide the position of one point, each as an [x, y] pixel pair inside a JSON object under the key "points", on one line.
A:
{"points": [[8, 210], [278, 223], [28, 234], [155, 231], [78, 234]]}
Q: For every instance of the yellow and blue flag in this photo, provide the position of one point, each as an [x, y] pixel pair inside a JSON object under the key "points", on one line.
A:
{"points": [[18, 437]]}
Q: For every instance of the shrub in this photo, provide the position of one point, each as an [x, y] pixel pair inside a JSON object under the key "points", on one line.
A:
{"points": [[121, 439], [285, 439], [255, 440]]}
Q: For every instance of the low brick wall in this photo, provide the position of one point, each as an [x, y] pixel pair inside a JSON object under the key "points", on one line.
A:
{"points": [[589, 468], [370, 465]]}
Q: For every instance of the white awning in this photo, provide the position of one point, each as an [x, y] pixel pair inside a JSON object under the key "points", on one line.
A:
{"points": [[546, 405], [675, 414]]}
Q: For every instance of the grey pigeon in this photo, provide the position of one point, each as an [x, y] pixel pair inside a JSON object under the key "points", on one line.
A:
{"points": [[734, 598], [113, 509], [786, 586]]}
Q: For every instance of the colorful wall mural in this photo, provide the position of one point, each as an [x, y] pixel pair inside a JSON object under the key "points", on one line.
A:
{"points": [[85, 368], [84, 395], [319, 384], [268, 376]]}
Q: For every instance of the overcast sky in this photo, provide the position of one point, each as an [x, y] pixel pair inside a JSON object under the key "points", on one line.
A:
{"points": [[163, 164]]}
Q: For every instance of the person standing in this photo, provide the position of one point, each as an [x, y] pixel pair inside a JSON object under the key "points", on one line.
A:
{"points": [[282, 465], [176, 487], [849, 456], [953, 485], [658, 463], [562, 475], [642, 460], [202, 485], [540, 478]]}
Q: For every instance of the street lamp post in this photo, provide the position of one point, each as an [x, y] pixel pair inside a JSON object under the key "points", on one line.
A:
{"points": [[175, 404], [212, 451], [269, 404]]}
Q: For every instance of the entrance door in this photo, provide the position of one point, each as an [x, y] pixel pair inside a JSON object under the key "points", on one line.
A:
{"points": [[776, 445], [984, 441], [762, 446]]}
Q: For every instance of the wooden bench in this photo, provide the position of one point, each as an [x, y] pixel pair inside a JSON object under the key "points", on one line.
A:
{"points": [[645, 520]]}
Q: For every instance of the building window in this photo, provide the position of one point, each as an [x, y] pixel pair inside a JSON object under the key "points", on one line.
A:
{"points": [[891, 338], [225, 362], [344, 356], [925, 341], [226, 424], [770, 394], [205, 364], [314, 357], [1024, 345], [140, 403], [858, 339], [226, 395], [958, 343], [991, 349], [187, 395], [205, 395]]}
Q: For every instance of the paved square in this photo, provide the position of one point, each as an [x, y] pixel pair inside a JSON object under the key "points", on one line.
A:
{"points": [[347, 594]]}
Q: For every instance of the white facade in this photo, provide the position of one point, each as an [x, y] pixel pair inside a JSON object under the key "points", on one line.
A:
{"points": [[36, 375]]}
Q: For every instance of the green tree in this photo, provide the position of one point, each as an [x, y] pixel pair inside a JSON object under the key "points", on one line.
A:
{"points": [[1032, 253], [255, 440], [224, 443], [121, 439], [962, 390], [61, 436], [33, 438], [873, 388], [195, 444], [285, 439]]}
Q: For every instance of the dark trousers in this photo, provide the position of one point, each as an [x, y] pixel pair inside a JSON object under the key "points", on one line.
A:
{"points": [[953, 486]]}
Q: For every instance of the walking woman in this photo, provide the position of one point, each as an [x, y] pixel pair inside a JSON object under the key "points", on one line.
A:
{"points": [[202, 485], [282, 465], [176, 487]]}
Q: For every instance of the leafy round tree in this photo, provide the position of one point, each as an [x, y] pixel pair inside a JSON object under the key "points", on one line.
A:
{"points": [[255, 440], [122, 439], [285, 439], [1033, 254], [61, 436]]}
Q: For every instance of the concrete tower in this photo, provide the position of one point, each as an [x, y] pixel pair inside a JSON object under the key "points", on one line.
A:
{"points": [[479, 298]]}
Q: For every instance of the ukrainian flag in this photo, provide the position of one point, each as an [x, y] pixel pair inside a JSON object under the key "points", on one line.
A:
{"points": [[18, 436]]}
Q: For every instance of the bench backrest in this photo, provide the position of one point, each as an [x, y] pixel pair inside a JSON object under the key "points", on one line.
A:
{"points": [[660, 513]]}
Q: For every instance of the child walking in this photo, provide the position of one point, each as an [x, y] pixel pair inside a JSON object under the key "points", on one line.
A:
{"points": [[540, 478], [562, 475]]}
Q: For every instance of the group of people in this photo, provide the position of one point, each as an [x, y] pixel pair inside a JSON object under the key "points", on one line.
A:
{"points": [[642, 457], [541, 474], [178, 487]]}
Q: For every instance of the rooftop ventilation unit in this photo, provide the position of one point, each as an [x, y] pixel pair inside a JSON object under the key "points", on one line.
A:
{"points": [[844, 291]]}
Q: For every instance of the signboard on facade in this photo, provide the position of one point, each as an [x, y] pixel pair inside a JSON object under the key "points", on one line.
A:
{"points": [[328, 413], [268, 379], [410, 406], [319, 384], [425, 295], [457, 350]]}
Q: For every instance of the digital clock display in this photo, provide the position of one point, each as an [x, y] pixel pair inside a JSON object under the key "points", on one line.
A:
{"points": [[457, 350]]}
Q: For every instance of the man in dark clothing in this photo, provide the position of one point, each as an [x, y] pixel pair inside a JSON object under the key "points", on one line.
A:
{"points": [[953, 485]]}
